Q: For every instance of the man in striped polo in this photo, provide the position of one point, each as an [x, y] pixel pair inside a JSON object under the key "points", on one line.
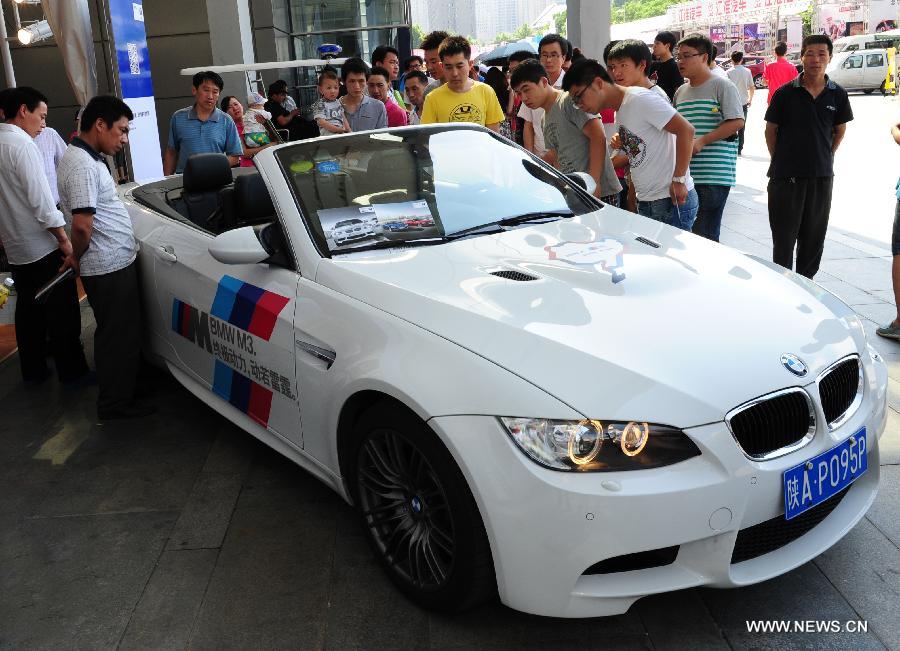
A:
{"points": [[713, 106]]}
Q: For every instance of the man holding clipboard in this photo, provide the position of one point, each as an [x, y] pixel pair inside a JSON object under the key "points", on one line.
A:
{"points": [[106, 250], [33, 234]]}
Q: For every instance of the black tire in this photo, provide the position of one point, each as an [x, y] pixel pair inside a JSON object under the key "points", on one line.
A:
{"points": [[759, 82], [418, 512], [869, 91]]}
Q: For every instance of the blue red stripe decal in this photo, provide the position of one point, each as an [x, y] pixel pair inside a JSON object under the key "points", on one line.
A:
{"points": [[242, 393], [247, 306]]}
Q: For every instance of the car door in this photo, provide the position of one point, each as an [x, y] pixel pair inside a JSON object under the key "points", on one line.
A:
{"points": [[852, 71], [875, 70], [231, 327]]}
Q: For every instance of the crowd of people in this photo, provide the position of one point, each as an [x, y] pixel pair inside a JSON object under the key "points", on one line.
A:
{"points": [[659, 131]]}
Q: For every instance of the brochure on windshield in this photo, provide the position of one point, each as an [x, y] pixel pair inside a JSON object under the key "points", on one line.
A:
{"points": [[356, 226]]}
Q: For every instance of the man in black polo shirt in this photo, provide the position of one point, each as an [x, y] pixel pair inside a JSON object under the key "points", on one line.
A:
{"points": [[805, 123], [664, 69]]}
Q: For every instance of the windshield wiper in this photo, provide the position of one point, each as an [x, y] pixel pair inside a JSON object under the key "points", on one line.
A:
{"points": [[391, 244], [499, 226]]}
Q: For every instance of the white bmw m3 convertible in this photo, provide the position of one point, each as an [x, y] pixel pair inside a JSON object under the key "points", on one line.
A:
{"points": [[522, 391]]}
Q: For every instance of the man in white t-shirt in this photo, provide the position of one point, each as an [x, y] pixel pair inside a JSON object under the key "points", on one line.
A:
{"points": [[553, 51], [657, 140], [742, 78]]}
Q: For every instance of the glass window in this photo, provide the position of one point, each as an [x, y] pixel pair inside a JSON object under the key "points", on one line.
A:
{"points": [[853, 62], [874, 60], [317, 16], [419, 184]]}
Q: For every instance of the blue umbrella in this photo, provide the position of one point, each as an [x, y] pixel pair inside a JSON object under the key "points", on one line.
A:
{"points": [[502, 52]]}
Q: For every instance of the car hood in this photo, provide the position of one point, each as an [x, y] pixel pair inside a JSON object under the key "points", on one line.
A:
{"points": [[625, 318]]}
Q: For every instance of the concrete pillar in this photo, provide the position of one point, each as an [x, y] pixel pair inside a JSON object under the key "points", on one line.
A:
{"points": [[587, 25], [231, 38]]}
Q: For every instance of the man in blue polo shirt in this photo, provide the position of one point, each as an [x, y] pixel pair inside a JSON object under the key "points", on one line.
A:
{"points": [[201, 128]]}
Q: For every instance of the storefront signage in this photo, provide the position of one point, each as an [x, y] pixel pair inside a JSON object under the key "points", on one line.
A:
{"points": [[729, 10], [717, 33]]}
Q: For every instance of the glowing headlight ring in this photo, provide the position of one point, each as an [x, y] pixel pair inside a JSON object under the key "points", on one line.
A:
{"points": [[634, 431], [597, 426]]}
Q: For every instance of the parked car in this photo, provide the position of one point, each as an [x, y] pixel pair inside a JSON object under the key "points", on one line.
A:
{"points": [[756, 65], [396, 225], [506, 399], [348, 230], [864, 70]]}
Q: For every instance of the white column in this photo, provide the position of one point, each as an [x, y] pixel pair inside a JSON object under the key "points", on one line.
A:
{"points": [[8, 71], [231, 38], [588, 25]]}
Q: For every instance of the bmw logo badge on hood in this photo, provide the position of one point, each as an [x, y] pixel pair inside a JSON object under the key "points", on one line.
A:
{"points": [[794, 364]]}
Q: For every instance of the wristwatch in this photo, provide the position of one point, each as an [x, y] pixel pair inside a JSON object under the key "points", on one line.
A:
{"points": [[679, 179]]}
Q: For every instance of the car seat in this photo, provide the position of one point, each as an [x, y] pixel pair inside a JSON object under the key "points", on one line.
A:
{"points": [[204, 176]]}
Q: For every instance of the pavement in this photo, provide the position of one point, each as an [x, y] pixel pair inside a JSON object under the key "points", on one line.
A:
{"points": [[180, 531]]}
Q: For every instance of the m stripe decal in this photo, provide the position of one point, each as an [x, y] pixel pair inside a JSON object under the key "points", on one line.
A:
{"points": [[247, 306], [242, 393]]}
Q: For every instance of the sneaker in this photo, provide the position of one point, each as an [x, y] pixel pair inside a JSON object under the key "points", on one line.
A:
{"points": [[889, 331], [134, 410]]}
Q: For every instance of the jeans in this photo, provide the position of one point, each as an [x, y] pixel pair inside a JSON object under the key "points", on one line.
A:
{"points": [[709, 214], [663, 210]]}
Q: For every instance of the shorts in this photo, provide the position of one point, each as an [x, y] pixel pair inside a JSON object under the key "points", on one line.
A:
{"points": [[895, 236]]}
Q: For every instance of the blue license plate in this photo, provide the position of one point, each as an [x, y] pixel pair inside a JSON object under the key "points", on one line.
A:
{"points": [[814, 481]]}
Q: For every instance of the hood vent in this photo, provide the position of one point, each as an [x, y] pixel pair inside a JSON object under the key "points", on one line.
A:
{"points": [[509, 274], [644, 240]]}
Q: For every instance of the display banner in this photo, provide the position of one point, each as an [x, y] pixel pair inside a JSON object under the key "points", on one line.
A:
{"points": [[751, 31], [130, 39], [794, 33], [734, 31], [883, 15], [717, 33]]}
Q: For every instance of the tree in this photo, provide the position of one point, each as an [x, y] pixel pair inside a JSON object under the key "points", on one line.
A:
{"points": [[504, 37], [560, 21], [417, 35], [524, 31], [636, 9], [806, 17]]}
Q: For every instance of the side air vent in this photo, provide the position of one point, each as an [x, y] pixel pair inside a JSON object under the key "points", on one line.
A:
{"points": [[509, 274]]}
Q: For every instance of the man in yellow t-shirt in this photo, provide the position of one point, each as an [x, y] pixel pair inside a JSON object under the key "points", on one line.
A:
{"points": [[461, 99]]}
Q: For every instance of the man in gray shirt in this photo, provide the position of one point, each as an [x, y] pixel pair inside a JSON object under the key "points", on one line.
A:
{"points": [[104, 244], [362, 112], [575, 140]]}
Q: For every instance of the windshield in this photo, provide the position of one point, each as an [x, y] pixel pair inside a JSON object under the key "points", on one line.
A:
{"points": [[420, 185]]}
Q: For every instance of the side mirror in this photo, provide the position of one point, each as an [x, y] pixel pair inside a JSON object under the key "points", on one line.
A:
{"points": [[583, 179], [238, 246]]}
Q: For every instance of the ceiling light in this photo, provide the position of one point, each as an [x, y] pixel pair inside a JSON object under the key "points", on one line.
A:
{"points": [[35, 32]]}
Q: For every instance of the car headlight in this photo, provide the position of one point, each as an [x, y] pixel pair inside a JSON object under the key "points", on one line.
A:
{"points": [[595, 446]]}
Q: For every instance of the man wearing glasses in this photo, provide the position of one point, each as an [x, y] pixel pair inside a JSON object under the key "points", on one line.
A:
{"points": [[553, 51], [657, 140]]}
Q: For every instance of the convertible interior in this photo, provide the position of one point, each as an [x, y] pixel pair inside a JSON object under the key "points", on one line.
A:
{"points": [[211, 195]]}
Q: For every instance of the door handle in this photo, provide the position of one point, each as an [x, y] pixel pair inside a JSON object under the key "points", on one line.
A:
{"points": [[166, 253]]}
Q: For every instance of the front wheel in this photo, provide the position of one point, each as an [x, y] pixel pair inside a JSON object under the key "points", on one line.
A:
{"points": [[419, 514], [759, 81]]}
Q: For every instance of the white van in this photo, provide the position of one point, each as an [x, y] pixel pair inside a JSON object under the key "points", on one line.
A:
{"points": [[864, 70], [868, 41]]}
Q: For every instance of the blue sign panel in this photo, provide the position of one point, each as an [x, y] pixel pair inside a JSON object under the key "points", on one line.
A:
{"points": [[133, 61]]}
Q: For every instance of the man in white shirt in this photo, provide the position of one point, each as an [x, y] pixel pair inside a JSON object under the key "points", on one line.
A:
{"points": [[103, 242], [742, 78], [553, 51], [33, 234], [52, 147], [657, 140]]}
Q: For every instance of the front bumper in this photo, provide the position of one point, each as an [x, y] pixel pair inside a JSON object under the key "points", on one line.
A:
{"points": [[546, 527]]}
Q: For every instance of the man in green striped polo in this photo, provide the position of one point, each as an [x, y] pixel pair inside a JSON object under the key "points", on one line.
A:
{"points": [[713, 106]]}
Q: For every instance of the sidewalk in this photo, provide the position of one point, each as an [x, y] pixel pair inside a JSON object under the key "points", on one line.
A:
{"points": [[181, 531]]}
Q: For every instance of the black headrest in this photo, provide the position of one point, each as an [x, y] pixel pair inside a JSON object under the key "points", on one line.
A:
{"points": [[206, 172], [254, 203]]}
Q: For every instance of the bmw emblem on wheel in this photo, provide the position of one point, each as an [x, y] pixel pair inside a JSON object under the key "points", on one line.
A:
{"points": [[794, 364]]}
